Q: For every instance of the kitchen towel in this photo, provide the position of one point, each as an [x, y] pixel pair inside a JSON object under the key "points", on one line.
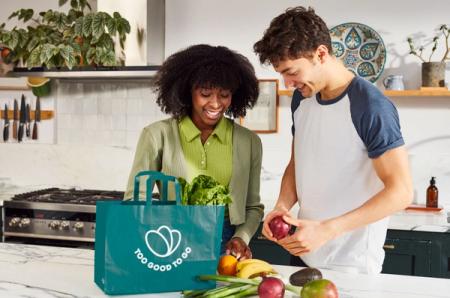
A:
{"points": [[155, 246]]}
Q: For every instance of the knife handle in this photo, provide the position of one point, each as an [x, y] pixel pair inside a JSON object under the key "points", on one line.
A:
{"points": [[14, 129], [27, 130], [6, 133], [35, 132], [20, 134]]}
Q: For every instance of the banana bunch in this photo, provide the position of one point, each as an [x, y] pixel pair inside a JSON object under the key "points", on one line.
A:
{"points": [[253, 267]]}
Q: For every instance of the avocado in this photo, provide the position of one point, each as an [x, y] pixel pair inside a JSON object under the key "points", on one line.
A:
{"points": [[304, 275]]}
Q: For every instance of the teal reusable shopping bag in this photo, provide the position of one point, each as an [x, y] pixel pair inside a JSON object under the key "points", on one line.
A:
{"points": [[155, 246]]}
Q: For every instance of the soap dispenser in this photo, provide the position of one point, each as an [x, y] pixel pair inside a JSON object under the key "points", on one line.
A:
{"points": [[432, 194]]}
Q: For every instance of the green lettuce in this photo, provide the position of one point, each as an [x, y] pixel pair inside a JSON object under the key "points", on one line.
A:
{"points": [[203, 190]]}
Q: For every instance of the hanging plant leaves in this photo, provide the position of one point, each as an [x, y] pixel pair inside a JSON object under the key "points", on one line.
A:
{"points": [[60, 20], [22, 14], [108, 58], [23, 38], [90, 55], [68, 54], [78, 28], [32, 43], [34, 58], [56, 38], [112, 27], [47, 52], [98, 25], [87, 25], [14, 40]]}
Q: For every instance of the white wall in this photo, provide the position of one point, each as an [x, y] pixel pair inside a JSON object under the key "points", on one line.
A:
{"points": [[238, 24]]}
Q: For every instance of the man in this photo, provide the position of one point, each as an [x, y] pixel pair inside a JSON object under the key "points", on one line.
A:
{"points": [[348, 169]]}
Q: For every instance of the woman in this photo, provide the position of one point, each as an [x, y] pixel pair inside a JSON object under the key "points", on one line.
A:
{"points": [[198, 86]]}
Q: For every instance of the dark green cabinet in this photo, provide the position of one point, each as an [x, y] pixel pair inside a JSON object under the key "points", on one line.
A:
{"points": [[407, 252], [408, 257], [417, 253]]}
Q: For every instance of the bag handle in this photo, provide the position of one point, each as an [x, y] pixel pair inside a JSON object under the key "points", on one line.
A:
{"points": [[153, 177]]}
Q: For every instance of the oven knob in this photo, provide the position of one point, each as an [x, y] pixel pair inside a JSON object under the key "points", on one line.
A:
{"points": [[78, 226], [54, 224], [14, 222], [24, 222], [65, 225]]}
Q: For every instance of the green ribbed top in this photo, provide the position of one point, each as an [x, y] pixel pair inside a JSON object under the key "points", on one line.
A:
{"points": [[213, 158]]}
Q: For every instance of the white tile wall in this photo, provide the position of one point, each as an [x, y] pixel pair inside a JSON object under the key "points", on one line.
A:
{"points": [[104, 112]]}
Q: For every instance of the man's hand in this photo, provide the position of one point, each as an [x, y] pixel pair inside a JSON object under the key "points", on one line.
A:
{"points": [[238, 248], [309, 236], [266, 230]]}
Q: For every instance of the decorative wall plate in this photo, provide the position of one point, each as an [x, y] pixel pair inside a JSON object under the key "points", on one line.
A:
{"points": [[360, 48]]}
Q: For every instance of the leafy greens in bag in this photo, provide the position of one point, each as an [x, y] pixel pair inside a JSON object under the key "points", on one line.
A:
{"points": [[203, 190]]}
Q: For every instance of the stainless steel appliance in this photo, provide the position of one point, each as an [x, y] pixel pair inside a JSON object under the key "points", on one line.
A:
{"points": [[54, 216]]}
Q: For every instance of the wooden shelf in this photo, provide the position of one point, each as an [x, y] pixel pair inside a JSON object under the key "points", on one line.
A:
{"points": [[15, 88], [285, 92], [395, 93], [403, 93], [45, 114]]}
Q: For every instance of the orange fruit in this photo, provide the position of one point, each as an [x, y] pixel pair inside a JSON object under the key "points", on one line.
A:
{"points": [[227, 265]]}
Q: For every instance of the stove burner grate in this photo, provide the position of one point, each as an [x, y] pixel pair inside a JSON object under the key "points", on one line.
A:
{"points": [[69, 196]]}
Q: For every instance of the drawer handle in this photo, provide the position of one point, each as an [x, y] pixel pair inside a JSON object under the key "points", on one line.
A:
{"points": [[389, 246]]}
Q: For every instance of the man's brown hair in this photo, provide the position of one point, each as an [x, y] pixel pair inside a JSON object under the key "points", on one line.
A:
{"points": [[295, 33]]}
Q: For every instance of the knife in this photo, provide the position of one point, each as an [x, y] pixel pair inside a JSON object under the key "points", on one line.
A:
{"points": [[27, 121], [37, 118], [15, 117], [23, 116], [6, 125]]}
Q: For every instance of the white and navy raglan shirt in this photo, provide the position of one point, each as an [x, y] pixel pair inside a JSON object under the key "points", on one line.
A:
{"points": [[334, 144]]}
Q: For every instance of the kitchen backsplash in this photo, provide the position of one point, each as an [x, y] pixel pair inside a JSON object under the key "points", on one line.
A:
{"points": [[110, 113]]}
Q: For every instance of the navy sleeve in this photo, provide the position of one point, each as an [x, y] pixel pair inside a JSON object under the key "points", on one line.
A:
{"points": [[296, 98], [375, 118]]}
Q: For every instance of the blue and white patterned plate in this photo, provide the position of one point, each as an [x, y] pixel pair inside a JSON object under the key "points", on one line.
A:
{"points": [[360, 48]]}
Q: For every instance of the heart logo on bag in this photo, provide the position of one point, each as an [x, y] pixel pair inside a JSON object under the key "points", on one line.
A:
{"points": [[171, 238]]}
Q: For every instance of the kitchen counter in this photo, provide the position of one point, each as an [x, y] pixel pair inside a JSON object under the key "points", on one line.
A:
{"points": [[410, 220], [44, 271]]}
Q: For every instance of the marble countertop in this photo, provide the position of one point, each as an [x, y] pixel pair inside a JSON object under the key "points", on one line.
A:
{"points": [[420, 221], [44, 271]]}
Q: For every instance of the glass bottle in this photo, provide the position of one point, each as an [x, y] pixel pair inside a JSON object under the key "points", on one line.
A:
{"points": [[432, 194]]}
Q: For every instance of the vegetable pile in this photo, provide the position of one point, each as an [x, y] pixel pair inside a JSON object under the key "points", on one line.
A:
{"points": [[203, 190], [266, 285]]}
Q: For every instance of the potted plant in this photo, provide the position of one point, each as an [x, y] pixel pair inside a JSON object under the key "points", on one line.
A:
{"points": [[433, 72], [79, 37]]}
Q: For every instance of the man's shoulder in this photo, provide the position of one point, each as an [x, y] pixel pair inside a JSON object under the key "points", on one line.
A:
{"points": [[297, 98], [363, 91]]}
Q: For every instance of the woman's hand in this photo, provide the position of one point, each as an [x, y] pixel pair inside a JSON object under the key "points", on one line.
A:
{"points": [[238, 248]]}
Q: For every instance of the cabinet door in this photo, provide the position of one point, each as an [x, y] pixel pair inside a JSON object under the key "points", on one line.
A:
{"points": [[407, 257], [443, 261], [267, 250]]}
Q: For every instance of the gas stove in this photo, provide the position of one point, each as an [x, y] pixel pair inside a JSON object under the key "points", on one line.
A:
{"points": [[54, 216]]}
